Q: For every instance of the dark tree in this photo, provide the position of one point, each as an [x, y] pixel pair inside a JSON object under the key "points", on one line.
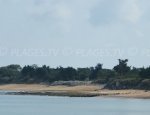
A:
{"points": [[9, 73], [122, 68], [145, 72], [95, 72], [68, 73], [83, 74]]}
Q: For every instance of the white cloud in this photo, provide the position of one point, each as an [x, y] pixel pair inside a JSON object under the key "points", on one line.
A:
{"points": [[75, 24], [105, 12], [131, 11], [62, 11], [139, 33]]}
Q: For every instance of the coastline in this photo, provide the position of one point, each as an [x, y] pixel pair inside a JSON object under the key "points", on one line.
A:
{"points": [[71, 91]]}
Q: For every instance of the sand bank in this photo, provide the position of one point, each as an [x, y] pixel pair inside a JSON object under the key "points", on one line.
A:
{"points": [[72, 91]]}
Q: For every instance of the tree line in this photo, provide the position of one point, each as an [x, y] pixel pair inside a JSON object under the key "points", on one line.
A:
{"points": [[121, 76]]}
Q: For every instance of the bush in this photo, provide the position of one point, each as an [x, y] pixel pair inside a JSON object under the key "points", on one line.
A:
{"points": [[123, 84], [145, 84]]}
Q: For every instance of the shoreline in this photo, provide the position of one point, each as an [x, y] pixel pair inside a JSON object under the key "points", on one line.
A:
{"points": [[71, 91]]}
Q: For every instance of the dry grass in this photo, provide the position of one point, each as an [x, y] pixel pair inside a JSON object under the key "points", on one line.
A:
{"points": [[36, 87], [83, 90]]}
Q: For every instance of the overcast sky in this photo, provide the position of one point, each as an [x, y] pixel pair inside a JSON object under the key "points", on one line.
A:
{"points": [[77, 33]]}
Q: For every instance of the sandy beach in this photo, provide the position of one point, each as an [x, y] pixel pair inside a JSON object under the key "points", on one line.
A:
{"points": [[75, 91]]}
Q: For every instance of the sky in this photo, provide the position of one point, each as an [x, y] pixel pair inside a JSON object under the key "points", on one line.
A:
{"points": [[78, 33]]}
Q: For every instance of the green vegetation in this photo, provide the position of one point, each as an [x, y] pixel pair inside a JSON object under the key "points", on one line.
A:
{"points": [[121, 76]]}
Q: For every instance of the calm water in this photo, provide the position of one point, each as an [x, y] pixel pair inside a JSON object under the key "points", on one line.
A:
{"points": [[44, 105]]}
